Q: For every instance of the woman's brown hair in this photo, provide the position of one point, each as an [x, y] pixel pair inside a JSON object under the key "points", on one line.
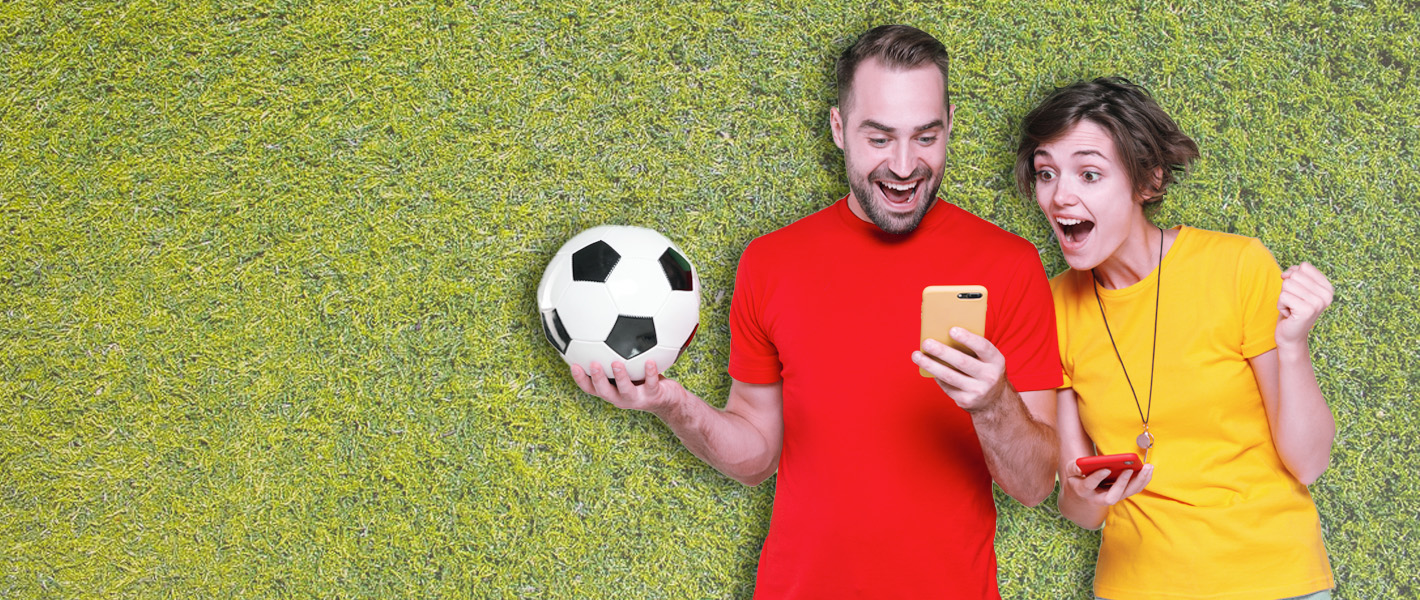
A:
{"points": [[1151, 146]]}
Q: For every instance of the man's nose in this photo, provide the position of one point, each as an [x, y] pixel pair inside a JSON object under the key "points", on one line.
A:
{"points": [[904, 161]]}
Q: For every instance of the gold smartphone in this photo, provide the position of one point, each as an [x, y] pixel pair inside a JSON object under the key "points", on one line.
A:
{"points": [[948, 306]]}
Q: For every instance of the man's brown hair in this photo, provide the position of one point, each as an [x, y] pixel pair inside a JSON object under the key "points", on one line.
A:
{"points": [[897, 47], [1147, 140]]}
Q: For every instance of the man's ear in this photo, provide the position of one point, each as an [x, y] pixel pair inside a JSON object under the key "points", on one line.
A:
{"points": [[835, 123]]}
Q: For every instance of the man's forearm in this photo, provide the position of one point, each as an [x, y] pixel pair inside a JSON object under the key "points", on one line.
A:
{"points": [[725, 440], [1020, 452]]}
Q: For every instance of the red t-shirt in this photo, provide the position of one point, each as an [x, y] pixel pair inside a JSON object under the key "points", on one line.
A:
{"points": [[882, 490]]}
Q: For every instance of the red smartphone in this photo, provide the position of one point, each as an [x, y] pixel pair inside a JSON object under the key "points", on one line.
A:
{"points": [[1116, 463]]}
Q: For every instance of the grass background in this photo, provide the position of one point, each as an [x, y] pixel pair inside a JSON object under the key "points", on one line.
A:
{"points": [[267, 325]]}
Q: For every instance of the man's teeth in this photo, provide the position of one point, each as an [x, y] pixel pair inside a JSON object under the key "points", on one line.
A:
{"points": [[901, 187]]}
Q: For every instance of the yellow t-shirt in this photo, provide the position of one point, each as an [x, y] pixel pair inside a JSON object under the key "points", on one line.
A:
{"points": [[1222, 517]]}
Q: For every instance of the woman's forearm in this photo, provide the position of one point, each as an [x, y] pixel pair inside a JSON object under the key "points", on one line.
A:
{"points": [[1304, 427]]}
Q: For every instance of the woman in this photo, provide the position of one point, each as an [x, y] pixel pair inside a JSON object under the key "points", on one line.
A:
{"points": [[1185, 346]]}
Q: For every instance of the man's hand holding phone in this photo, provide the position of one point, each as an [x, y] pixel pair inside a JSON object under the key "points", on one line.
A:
{"points": [[974, 382], [1105, 480], [966, 365]]}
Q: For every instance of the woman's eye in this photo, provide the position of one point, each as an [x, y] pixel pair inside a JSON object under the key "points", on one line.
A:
{"points": [[1091, 176], [1044, 175]]}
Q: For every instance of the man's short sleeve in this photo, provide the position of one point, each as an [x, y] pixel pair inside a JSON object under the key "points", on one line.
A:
{"points": [[1024, 329], [753, 356]]}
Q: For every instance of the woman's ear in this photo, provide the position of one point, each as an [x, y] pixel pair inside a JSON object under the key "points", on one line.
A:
{"points": [[1154, 189]]}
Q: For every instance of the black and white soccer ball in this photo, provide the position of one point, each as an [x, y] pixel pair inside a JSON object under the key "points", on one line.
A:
{"points": [[619, 293]]}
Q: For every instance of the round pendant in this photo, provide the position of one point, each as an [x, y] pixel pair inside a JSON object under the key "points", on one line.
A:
{"points": [[1145, 440]]}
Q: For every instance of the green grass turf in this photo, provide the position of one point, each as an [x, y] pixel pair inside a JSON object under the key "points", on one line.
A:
{"points": [[267, 324]]}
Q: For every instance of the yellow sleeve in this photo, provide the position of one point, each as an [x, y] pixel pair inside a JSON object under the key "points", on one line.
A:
{"points": [[1259, 284], [1059, 291]]}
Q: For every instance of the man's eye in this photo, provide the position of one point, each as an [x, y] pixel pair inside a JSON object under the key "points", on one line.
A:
{"points": [[1091, 176], [927, 140], [877, 141]]}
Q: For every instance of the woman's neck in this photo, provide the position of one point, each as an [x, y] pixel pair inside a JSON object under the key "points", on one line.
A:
{"points": [[1135, 258]]}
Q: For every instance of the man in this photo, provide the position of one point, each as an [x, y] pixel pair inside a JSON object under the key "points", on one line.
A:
{"points": [[884, 482]]}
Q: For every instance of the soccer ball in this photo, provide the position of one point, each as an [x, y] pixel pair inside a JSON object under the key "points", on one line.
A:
{"points": [[618, 293]]}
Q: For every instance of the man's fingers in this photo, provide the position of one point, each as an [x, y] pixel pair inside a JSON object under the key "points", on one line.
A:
{"points": [[962, 361], [984, 349], [603, 386], [583, 381], [652, 383], [943, 373], [623, 379]]}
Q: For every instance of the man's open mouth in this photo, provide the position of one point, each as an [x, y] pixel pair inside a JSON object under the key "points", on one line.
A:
{"points": [[1074, 230], [899, 193]]}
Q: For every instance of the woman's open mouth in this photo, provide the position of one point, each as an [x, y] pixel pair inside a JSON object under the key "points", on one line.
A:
{"points": [[1074, 232]]}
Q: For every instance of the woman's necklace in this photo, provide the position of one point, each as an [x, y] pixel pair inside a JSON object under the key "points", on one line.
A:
{"points": [[1145, 439]]}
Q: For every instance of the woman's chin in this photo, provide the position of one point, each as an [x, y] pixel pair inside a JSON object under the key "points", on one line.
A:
{"points": [[1080, 262]]}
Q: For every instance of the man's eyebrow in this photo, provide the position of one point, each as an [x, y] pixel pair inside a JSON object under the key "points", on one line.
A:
{"points": [[871, 124]]}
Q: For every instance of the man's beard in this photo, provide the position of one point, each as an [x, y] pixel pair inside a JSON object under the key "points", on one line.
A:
{"points": [[865, 190]]}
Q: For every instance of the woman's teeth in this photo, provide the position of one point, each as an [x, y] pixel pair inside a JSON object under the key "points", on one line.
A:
{"points": [[1074, 230]]}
